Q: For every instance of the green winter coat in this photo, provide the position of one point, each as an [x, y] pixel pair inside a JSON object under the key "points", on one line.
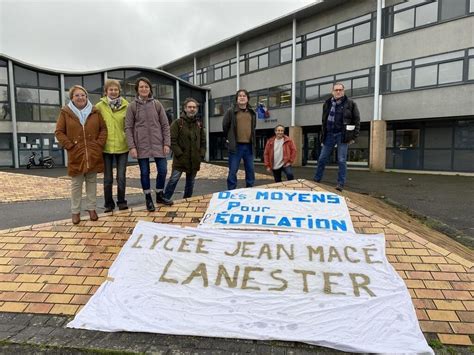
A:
{"points": [[115, 121], [188, 143]]}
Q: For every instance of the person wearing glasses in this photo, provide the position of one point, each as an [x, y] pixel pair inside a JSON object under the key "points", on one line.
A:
{"points": [[188, 144], [280, 154], [340, 127]]}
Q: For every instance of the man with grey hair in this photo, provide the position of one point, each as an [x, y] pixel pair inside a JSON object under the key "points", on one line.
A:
{"points": [[340, 127]]}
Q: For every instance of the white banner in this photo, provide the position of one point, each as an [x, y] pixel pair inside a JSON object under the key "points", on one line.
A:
{"points": [[277, 210], [336, 290]]}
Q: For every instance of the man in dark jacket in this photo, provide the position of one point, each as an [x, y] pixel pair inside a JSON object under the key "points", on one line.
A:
{"points": [[340, 126], [239, 130], [188, 143]]}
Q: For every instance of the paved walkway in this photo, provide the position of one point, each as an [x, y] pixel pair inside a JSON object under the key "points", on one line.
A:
{"points": [[54, 268]]}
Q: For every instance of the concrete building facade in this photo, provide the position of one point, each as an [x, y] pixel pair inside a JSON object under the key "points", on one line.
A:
{"points": [[417, 55]]}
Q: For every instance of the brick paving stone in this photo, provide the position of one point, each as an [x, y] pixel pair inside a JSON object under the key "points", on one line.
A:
{"points": [[455, 339]]}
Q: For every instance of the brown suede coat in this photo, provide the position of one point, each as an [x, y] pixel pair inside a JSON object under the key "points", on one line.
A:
{"points": [[84, 144]]}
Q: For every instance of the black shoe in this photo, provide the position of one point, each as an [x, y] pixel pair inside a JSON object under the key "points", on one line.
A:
{"points": [[122, 206], [317, 180], [150, 207], [160, 198], [108, 209], [339, 187]]}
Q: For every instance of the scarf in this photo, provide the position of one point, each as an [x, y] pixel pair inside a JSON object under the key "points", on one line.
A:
{"points": [[332, 113], [115, 103], [81, 114]]}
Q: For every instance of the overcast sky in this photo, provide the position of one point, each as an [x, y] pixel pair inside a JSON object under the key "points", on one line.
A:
{"points": [[82, 35]]}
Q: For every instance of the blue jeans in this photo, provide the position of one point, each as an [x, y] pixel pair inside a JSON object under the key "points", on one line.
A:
{"points": [[287, 170], [244, 151], [333, 139], [121, 164], [162, 169], [173, 181]]}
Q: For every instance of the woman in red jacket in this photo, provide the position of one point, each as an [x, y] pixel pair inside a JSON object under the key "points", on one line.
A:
{"points": [[279, 155]]}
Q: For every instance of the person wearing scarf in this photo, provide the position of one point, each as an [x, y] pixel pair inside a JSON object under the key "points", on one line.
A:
{"points": [[113, 109], [82, 132], [340, 127]]}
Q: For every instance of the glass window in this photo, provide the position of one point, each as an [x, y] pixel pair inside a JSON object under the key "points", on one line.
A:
{"points": [[437, 159], [93, 82], [425, 75], [233, 69], [452, 8], [450, 72], [438, 137], [408, 3], [312, 46], [217, 74], [407, 138], [5, 112], [69, 81], [312, 93], [463, 160], [426, 14], [403, 20], [344, 37], [3, 75], [49, 113], [165, 91], [325, 91], [225, 72], [27, 95], [285, 54], [362, 32], [401, 79], [299, 51], [253, 64], [439, 58], [49, 81], [115, 74], [471, 68], [360, 86], [285, 98], [464, 135], [327, 42], [471, 6], [299, 92], [25, 76], [263, 61], [49, 97], [3, 93], [27, 112]]}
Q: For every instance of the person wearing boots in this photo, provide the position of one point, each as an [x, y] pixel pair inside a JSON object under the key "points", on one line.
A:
{"points": [[81, 130], [148, 136], [188, 143], [280, 154], [113, 108]]}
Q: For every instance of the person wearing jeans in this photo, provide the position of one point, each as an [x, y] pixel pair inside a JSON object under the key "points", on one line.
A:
{"points": [[340, 127], [280, 154], [188, 143], [148, 136], [113, 108], [238, 125]]}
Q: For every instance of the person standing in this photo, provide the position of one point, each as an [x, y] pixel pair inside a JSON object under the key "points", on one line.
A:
{"points": [[148, 136], [81, 130], [113, 108], [280, 154], [239, 125], [340, 127], [188, 144]]}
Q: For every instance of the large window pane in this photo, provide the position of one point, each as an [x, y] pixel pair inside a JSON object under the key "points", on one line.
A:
{"points": [[425, 75], [285, 54], [401, 79], [225, 72], [218, 74], [407, 138], [438, 137], [452, 8], [325, 91], [93, 82], [312, 46], [27, 95], [464, 135], [426, 14], [312, 93], [70, 81], [403, 20], [327, 42], [253, 64], [263, 61], [49, 113], [362, 32], [450, 72], [27, 112], [3, 93], [49, 81], [49, 97], [344, 37], [25, 76], [285, 98], [437, 159], [3, 75], [360, 86], [115, 74], [463, 160], [165, 91], [471, 67], [5, 112]]}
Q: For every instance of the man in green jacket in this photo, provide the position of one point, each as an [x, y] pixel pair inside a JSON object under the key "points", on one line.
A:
{"points": [[188, 143]]}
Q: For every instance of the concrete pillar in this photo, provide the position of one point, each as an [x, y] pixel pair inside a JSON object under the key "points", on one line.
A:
{"points": [[378, 144], [296, 133]]}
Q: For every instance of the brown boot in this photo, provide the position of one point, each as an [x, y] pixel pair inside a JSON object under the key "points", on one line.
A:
{"points": [[76, 218], [93, 215]]}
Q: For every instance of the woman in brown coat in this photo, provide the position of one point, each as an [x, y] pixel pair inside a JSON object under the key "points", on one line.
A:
{"points": [[81, 130]]}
